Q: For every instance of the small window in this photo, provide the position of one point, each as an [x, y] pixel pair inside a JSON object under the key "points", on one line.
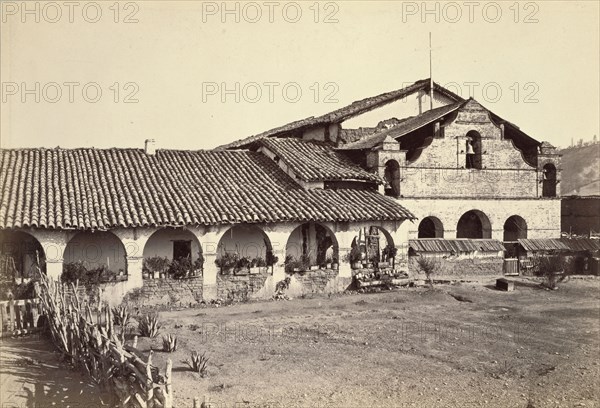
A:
{"points": [[182, 249], [473, 150]]}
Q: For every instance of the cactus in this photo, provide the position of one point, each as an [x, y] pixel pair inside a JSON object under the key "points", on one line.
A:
{"points": [[198, 363], [169, 343], [148, 325]]}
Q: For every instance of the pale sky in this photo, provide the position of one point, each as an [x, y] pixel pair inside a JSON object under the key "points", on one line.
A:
{"points": [[177, 61]]}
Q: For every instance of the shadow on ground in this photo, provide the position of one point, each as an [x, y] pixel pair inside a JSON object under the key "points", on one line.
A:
{"points": [[33, 374]]}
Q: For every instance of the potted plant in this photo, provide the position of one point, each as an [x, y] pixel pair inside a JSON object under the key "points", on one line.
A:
{"points": [[156, 265], [257, 265], [198, 266], [227, 263], [335, 264], [354, 257], [242, 266], [390, 252], [328, 262], [292, 264]]}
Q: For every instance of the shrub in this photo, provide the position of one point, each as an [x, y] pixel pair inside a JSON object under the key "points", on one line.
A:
{"points": [[169, 343], [428, 266], [552, 268], [198, 362], [148, 325]]}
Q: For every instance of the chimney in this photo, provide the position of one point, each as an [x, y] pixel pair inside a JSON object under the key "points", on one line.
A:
{"points": [[150, 146]]}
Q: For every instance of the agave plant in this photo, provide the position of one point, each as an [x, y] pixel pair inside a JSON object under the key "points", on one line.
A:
{"points": [[169, 343], [121, 316], [198, 362], [148, 325]]}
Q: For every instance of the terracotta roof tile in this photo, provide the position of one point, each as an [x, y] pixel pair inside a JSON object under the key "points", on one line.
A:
{"points": [[317, 161], [104, 188]]}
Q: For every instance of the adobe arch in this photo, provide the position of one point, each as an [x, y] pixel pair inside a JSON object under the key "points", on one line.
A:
{"points": [[474, 224]]}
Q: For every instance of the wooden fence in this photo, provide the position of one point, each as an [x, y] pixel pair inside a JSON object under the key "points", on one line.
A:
{"points": [[19, 316]]}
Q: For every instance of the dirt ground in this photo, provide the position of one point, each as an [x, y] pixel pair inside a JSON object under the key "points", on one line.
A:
{"points": [[461, 345]]}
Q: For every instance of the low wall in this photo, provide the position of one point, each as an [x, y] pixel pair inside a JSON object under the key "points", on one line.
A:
{"points": [[461, 267], [241, 287], [166, 292], [319, 281]]}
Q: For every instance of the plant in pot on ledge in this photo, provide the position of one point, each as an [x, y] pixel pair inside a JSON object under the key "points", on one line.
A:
{"points": [[354, 257], [154, 266], [293, 265], [198, 266], [242, 266], [389, 253], [227, 263], [257, 265]]}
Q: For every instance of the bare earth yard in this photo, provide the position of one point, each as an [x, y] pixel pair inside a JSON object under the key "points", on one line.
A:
{"points": [[455, 346]]}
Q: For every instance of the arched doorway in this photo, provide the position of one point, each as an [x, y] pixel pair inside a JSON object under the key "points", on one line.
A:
{"points": [[100, 252], [392, 178], [372, 246], [474, 224], [549, 180], [172, 244], [20, 256], [515, 228], [473, 150], [311, 245], [247, 242], [431, 227]]}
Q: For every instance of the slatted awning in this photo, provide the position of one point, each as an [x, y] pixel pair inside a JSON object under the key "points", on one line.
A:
{"points": [[455, 245], [560, 244]]}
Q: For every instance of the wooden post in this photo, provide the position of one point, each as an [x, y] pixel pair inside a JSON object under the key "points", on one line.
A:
{"points": [[34, 313], [168, 386], [11, 314], [2, 310], [196, 402]]}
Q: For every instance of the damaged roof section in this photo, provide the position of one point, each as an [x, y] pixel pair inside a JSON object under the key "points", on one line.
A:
{"points": [[317, 161], [404, 127], [106, 188], [522, 141], [354, 109]]}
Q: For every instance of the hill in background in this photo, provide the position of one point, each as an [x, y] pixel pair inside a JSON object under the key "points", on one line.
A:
{"points": [[581, 170]]}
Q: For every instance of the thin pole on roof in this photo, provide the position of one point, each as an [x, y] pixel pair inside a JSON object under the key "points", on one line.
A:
{"points": [[430, 76]]}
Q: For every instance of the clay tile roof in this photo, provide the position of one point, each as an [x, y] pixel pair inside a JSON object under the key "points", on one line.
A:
{"points": [[106, 188], [317, 161]]}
